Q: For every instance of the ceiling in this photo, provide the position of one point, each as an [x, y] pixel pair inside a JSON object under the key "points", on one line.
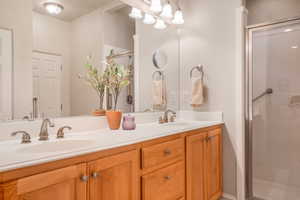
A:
{"points": [[72, 8]]}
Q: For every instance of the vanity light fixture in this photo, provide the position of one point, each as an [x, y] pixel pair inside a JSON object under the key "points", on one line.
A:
{"points": [[148, 19], [156, 6], [178, 18], [167, 11], [160, 24], [136, 13], [53, 8]]}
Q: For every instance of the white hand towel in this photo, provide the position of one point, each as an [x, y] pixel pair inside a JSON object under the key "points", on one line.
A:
{"points": [[197, 92], [157, 92]]}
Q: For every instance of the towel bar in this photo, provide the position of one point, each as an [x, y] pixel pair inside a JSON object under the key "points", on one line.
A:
{"points": [[198, 68], [158, 72]]}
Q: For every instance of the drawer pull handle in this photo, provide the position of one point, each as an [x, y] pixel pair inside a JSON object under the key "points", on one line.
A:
{"points": [[167, 152], [84, 178], [167, 178], [95, 174]]}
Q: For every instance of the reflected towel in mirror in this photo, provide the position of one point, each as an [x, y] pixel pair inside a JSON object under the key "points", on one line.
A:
{"points": [[158, 92]]}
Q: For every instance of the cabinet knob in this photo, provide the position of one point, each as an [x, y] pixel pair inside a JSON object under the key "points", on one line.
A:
{"points": [[167, 177], [167, 152], [84, 178], [95, 174]]}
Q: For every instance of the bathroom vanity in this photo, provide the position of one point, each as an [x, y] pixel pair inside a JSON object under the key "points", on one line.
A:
{"points": [[176, 164]]}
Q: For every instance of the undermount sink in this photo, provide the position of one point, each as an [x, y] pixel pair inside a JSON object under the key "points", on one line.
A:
{"points": [[176, 124], [56, 146]]}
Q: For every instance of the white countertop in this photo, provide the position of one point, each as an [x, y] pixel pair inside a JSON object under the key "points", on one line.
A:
{"points": [[14, 155]]}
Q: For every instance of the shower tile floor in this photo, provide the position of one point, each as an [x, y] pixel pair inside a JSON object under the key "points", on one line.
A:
{"points": [[274, 191]]}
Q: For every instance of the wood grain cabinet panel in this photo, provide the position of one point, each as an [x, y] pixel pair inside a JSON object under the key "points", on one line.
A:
{"points": [[195, 167], [114, 177], [61, 184], [204, 165], [214, 164], [164, 152], [165, 184]]}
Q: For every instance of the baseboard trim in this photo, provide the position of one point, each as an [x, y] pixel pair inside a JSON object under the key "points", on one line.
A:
{"points": [[228, 196]]}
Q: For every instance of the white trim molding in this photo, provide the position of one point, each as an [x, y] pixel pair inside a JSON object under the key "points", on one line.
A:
{"points": [[228, 196], [241, 23]]}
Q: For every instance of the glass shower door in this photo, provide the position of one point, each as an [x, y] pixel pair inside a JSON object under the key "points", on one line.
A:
{"points": [[274, 111]]}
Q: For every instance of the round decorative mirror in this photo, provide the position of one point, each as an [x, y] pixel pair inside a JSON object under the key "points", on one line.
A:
{"points": [[159, 59]]}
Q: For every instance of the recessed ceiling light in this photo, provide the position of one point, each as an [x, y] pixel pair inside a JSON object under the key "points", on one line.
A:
{"points": [[53, 8], [295, 47], [287, 30]]}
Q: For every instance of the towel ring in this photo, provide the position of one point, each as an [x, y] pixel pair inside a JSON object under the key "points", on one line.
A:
{"points": [[199, 68], [160, 74]]}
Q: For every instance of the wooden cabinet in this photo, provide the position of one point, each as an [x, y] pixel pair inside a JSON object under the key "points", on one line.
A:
{"points": [[63, 184], [114, 177], [204, 166], [161, 153], [165, 184], [185, 166], [214, 164]]}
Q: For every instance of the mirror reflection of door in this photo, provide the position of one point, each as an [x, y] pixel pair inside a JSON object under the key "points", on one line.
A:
{"points": [[47, 71]]}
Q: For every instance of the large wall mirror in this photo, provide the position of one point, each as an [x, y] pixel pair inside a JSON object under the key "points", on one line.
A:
{"points": [[44, 51]]}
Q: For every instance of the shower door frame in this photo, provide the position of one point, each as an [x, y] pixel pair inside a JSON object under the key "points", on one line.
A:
{"points": [[249, 94]]}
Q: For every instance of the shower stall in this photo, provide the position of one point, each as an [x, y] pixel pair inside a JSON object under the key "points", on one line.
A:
{"points": [[273, 110]]}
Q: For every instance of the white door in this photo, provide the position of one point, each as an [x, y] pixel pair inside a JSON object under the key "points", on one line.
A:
{"points": [[5, 74], [47, 84]]}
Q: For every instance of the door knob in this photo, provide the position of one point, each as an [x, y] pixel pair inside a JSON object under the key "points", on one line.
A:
{"points": [[84, 178], [95, 174], [167, 152]]}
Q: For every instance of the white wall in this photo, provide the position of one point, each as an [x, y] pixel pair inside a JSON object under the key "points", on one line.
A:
{"points": [[87, 40], [209, 38], [261, 11], [150, 40], [54, 36], [16, 15], [119, 30]]}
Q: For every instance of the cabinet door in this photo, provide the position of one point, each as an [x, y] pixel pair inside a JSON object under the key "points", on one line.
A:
{"points": [[114, 177], [214, 164], [63, 184], [195, 167]]}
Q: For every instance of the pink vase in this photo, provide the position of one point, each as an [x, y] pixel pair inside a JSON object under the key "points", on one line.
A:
{"points": [[128, 123]]}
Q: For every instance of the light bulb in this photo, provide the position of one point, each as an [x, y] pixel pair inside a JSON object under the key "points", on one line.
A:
{"points": [[149, 19], [156, 6], [160, 24], [178, 17], [167, 11], [53, 8], [136, 13]]}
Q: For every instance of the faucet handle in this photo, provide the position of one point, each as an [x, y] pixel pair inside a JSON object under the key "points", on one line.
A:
{"points": [[61, 133], [25, 137], [173, 118]]}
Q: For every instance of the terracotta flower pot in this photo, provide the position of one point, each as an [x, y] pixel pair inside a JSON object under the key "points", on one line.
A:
{"points": [[114, 119], [99, 112]]}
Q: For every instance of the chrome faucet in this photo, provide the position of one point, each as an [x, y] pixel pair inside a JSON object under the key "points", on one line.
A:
{"points": [[25, 136], [165, 118], [44, 135]]}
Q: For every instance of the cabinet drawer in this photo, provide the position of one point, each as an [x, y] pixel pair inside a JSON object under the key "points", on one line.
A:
{"points": [[165, 184], [164, 152]]}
